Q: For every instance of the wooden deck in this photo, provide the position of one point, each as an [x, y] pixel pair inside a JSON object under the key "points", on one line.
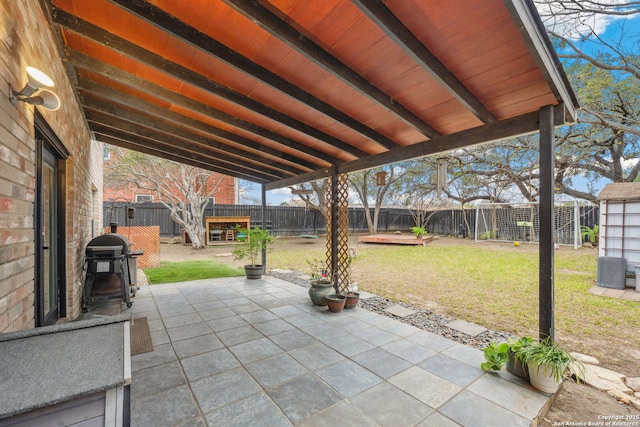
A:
{"points": [[396, 239]]}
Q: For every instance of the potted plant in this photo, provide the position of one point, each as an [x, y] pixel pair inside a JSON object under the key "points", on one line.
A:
{"points": [[257, 240], [514, 364], [352, 287], [335, 302], [321, 285], [496, 355], [547, 364], [499, 354], [418, 231]]}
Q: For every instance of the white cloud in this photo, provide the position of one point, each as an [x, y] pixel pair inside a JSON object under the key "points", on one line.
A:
{"points": [[629, 163], [285, 191], [279, 195], [576, 24]]}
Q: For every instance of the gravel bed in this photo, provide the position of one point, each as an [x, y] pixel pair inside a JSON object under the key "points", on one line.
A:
{"points": [[423, 318]]}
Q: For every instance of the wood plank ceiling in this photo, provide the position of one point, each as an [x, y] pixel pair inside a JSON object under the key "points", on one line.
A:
{"points": [[279, 91]]}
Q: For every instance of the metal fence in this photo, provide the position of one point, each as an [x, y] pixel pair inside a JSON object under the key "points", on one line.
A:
{"points": [[294, 220]]}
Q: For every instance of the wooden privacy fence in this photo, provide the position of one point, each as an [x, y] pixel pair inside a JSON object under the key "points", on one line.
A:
{"points": [[295, 220]]}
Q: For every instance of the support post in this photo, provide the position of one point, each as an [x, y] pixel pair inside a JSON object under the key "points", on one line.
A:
{"points": [[547, 224], [264, 224], [334, 227]]}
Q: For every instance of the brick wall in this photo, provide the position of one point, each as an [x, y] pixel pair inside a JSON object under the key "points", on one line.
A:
{"points": [[97, 162], [27, 40]]}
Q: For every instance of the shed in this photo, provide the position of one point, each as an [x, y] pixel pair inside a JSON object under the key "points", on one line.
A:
{"points": [[619, 235]]}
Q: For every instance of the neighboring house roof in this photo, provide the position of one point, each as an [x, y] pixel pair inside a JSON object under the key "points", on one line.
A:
{"points": [[620, 191], [280, 92]]}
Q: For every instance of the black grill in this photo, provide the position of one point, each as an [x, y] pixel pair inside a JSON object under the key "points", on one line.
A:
{"points": [[108, 270]]}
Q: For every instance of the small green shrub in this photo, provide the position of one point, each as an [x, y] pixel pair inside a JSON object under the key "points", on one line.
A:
{"points": [[547, 353], [496, 355], [257, 240], [489, 234], [589, 234], [517, 344], [418, 231]]}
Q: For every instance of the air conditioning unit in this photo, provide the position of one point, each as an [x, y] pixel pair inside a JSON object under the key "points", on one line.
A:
{"points": [[612, 272]]}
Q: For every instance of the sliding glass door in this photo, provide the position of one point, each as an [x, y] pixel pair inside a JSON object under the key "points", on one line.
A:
{"points": [[49, 229]]}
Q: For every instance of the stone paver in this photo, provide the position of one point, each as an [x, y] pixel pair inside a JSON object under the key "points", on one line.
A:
{"points": [[231, 352], [424, 386], [469, 409], [399, 311], [471, 329], [387, 405], [348, 378], [628, 293]]}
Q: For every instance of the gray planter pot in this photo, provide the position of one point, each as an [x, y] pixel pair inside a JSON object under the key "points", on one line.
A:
{"points": [[516, 367], [319, 290], [253, 271]]}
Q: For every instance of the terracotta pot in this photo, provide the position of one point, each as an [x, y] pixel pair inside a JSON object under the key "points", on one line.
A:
{"points": [[335, 302], [352, 299]]}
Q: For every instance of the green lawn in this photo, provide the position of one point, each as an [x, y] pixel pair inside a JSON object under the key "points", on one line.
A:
{"points": [[170, 272], [497, 286]]}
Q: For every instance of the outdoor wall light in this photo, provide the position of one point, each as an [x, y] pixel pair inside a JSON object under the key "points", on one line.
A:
{"points": [[37, 81]]}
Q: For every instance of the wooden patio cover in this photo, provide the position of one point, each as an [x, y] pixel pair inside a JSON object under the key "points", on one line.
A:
{"points": [[280, 92]]}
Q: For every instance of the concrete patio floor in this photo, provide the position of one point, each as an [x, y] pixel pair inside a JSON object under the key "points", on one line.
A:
{"points": [[233, 352]]}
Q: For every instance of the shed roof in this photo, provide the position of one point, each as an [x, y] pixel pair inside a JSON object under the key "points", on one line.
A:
{"points": [[280, 91], [620, 191]]}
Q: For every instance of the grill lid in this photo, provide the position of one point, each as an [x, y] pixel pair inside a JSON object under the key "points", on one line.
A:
{"points": [[111, 239]]}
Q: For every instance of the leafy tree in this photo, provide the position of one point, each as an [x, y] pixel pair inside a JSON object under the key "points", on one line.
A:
{"points": [[576, 27], [496, 172], [185, 190]]}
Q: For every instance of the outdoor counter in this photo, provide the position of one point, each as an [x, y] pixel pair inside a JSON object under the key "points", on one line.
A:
{"points": [[78, 368]]}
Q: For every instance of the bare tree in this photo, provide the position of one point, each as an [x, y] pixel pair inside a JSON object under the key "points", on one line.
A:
{"points": [[396, 183], [314, 196], [248, 193], [184, 190]]}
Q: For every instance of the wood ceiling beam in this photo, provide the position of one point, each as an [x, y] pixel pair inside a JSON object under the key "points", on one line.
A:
{"points": [[172, 25], [124, 47], [169, 153], [257, 13], [400, 34], [177, 152], [95, 89], [122, 77], [533, 32], [142, 125], [508, 128]]}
